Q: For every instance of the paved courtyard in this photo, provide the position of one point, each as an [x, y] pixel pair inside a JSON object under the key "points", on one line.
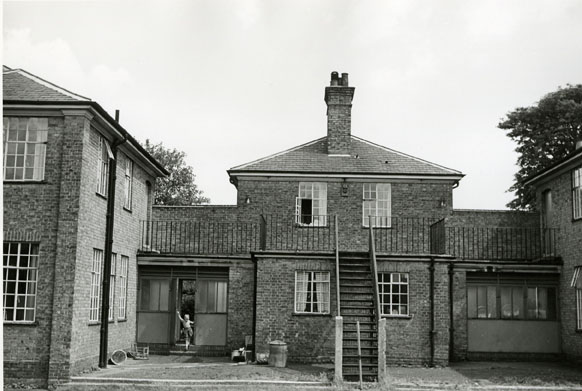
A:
{"points": [[189, 372]]}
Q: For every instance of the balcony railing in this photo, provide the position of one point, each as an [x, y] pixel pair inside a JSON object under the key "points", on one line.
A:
{"points": [[297, 233], [404, 235], [493, 243], [398, 235], [199, 237]]}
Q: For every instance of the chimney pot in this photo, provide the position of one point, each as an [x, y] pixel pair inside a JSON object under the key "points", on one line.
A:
{"points": [[345, 80], [334, 79]]}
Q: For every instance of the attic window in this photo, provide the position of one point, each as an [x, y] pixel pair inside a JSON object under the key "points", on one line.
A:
{"points": [[311, 205]]}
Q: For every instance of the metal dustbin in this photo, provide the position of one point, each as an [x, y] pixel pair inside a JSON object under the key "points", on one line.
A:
{"points": [[278, 354]]}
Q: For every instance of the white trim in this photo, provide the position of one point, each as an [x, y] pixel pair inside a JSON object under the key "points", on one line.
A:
{"points": [[48, 84], [563, 165], [371, 177]]}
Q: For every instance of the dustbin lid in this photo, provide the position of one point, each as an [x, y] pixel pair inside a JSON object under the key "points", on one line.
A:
{"points": [[277, 343]]}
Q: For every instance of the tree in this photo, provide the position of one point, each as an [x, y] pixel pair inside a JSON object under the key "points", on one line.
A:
{"points": [[178, 188], [544, 133]]}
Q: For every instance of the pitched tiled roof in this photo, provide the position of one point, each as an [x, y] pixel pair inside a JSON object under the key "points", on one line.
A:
{"points": [[19, 85], [365, 158]]}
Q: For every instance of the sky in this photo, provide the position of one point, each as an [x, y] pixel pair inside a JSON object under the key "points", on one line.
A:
{"points": [[229, 82]]}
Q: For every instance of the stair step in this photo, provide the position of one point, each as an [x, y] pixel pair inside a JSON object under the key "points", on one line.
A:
{"points": [[362, 339], [355, 365], [362, 284]]}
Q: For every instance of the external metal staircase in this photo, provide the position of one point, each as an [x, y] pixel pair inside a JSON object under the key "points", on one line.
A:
{"points": [[357, 304]]}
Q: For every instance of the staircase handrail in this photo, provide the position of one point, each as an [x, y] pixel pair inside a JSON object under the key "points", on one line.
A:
{"points": [[374, 266], [337, 266]]}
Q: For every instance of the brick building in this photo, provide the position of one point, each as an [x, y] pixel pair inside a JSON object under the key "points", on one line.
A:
{"points": [[326, 234], [59, 152], [441, 284], [559, 196]]}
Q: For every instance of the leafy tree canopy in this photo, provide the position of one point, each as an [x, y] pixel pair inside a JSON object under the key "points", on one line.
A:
{"points": [[178, 188], [544, 133]]}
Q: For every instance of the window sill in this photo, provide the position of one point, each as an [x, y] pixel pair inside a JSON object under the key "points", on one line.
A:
{"points": [[578, 220], [101, 195], [16, 323], [93, 323], [312, 314], [30, 182], [518, 320], [122, 320], [127, 210], [368, 227], [297, 225]]}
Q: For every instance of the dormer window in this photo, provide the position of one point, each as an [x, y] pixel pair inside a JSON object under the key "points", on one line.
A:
{"points": [[377, 204], [311, 205]]}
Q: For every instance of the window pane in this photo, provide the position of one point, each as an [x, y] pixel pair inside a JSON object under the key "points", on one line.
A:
{"points": [[202, 297], [145, 295], [532, 310], [517, 302], [506, 311], [552, 304], [164, 295], [221, 297], [211, 296], [492, 302], [481, 302]]}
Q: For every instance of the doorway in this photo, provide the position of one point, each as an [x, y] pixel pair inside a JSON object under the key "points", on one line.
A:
{"points": [[205, 300], [186, 304]]}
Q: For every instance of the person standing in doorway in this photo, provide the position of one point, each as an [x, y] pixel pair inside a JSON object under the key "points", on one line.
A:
{"points": [[187, 325]]}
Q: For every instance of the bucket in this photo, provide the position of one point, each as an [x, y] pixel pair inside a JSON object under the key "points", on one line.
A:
{"points": [[278, 354]]}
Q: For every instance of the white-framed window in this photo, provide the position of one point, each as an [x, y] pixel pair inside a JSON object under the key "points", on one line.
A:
{"points": [[376, 202], [393, 290], [312, 292], [122, 300], [577, 285], [94, 313], [20, 277], [105, 154], [25, 142], [112, 279], [128, 184], [577, 193], [311, 204]]}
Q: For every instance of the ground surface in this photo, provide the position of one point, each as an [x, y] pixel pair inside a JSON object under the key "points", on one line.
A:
{"points": [[188, 372]]}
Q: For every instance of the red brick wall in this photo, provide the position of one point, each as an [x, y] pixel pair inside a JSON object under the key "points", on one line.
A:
{"points": [[570, 249], [276, 197], [84, 345], [310, 338], [67, 218], [31, 213], [408, 339]]}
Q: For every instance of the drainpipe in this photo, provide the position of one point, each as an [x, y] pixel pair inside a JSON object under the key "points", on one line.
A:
{"points": [[431, 294], [109, 220], [255, 261], [451, 314]]}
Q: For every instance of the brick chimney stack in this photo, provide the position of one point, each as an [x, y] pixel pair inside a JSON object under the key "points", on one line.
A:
{"points": [[338, 97]]}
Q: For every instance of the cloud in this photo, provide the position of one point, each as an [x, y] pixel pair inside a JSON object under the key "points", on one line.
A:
{"points": [[247, 12], [56, 61]]}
